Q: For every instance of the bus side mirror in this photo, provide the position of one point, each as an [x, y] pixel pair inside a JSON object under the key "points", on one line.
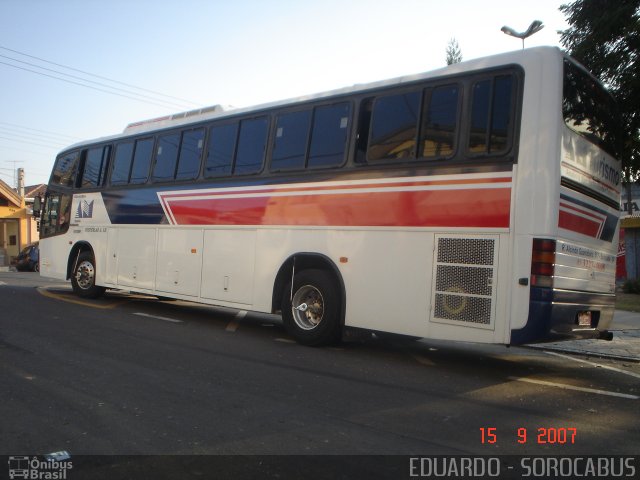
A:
{"points": [[37, 206]]}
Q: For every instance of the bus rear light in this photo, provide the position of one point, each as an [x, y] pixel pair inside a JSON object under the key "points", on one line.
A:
{"points": [[544, 245], [543, 257], [543, 261], [542, 269]]}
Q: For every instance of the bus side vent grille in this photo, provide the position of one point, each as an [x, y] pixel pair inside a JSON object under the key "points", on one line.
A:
{"points": [[465, 280]]}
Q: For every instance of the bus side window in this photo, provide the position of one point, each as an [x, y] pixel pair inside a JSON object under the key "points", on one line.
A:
{"points": [[502, 116], [95, 165], [141, 161], [290, 142], [190, 154], [364, 125], [221, 150], [251, 146], [65, 170], [166, 157], [329, 135], [50, 214], [56, 215], [439, 124], [122, 164], [491, 115], [394, 126]]}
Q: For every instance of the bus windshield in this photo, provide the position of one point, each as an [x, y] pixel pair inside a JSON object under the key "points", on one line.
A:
{"points": [[588, 109]]}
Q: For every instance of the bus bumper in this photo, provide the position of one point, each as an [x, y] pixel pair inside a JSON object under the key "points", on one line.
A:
{"points": [[560, 315]]}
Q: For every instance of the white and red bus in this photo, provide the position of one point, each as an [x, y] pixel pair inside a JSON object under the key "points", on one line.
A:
{"points": [[478, 202]]}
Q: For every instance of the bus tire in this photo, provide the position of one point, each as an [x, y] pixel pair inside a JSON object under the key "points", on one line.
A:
{"points": [[311, 309], [83, 277]]}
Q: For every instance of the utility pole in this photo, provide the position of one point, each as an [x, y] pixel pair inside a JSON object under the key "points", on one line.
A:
{"points": [[15, 171], [21, 183]]}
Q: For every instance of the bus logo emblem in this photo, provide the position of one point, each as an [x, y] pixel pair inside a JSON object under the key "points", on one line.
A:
{"points": [[85, 209]]}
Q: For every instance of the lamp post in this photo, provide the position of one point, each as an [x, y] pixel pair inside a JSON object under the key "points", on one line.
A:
{"points": [[535, 26]]}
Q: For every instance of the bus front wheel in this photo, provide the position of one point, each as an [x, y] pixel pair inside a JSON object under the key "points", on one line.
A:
{"points": [[83, 278], [311, 308]]}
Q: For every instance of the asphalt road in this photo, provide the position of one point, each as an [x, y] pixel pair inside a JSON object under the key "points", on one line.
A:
{"points": [[132, 375]]}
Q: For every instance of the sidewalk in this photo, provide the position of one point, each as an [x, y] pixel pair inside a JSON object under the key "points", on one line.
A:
{"points": [[624, 346]]}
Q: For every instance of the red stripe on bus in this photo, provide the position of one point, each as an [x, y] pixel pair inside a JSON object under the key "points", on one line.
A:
{"points": [[342, 185], [484, 208], [579, 224], [598, 217]]}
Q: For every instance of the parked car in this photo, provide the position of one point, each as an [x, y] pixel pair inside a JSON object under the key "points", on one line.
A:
{"points": [[29, 259]]}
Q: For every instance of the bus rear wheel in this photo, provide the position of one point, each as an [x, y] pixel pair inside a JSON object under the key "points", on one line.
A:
{"points": [[311, 309], [83, 277]]}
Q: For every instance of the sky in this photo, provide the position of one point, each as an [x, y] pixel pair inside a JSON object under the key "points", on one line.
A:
{"points": [[188, 54]]}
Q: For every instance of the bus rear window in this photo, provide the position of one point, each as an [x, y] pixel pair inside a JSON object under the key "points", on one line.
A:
{"points": [[588, 109]]}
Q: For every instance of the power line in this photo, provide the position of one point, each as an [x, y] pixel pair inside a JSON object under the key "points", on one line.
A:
{"points": [[101, 77], [36, 136], [16, 137], [116, 89], [29, 143], [8, 147], [31, 137], [86, 86], [6, 176], [46, 132]]}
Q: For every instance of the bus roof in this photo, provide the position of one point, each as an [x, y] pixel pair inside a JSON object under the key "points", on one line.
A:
{"points": [[219, 111]]}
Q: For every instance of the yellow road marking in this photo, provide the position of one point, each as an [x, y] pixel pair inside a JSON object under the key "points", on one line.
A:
{"points": [[423, 360], [233, 325], [157, 317], [284, 340], [45, 292]]}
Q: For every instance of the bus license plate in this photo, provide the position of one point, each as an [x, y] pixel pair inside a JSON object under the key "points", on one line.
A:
{"points": [[584, 319]]}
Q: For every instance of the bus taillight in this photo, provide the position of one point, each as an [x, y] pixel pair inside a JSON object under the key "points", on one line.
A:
{"points": [[543, 262]]}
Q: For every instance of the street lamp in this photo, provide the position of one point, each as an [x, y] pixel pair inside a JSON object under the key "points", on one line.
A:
{"points": [[535, 26]]}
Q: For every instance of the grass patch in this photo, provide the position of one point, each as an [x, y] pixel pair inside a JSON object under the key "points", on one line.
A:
{"points": [[628, 301]]}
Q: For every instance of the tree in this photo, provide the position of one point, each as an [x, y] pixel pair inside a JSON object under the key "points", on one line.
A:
{"points": [[604, 36], [454, 54]]}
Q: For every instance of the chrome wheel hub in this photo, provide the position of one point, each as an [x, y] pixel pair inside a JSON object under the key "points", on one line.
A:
{"points": [[307, 307], [85, 275]]}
